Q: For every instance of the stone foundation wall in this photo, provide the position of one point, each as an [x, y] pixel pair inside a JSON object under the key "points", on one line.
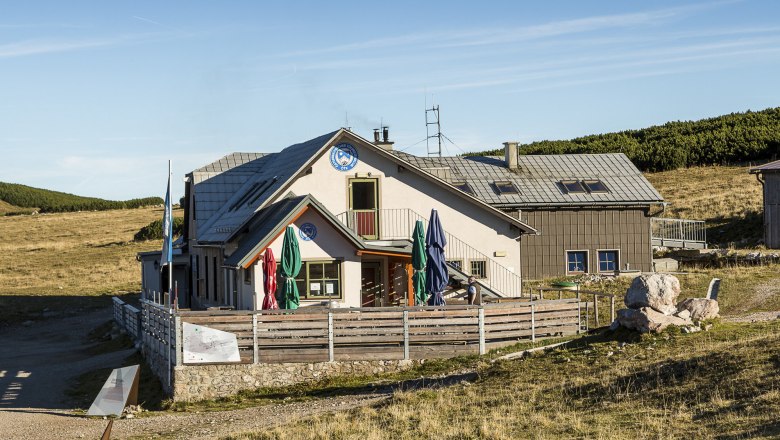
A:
{"points": [[198, 382]]}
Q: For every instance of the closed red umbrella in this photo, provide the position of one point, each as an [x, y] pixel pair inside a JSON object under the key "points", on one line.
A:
{"points": [[269, 282]]}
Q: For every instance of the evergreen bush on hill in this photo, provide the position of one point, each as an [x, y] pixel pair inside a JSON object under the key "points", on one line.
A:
{"points": [[54, 201], [733, 138], [153, 231]]}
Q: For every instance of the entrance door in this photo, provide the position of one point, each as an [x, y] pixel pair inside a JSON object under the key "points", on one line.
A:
{"points": [[371, 288], [363, 204]]}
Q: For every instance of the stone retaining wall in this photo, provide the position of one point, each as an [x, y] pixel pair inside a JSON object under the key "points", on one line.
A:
{"points": [[198, 382]]}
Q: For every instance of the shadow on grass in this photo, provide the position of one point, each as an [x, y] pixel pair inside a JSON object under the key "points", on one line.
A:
{"points": [[16, 309], [742, 232]]}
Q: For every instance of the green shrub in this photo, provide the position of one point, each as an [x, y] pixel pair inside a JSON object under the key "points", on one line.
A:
{"points": [[153, 231]]}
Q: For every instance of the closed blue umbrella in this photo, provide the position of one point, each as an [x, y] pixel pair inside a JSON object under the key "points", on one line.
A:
{"points": [[436, 276]]}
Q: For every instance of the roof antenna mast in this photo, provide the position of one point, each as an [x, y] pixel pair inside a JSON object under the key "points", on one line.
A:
{"points": [[432, 118]]}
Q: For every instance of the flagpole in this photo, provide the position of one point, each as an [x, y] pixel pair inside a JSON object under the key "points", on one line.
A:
{"points": [[170, 264]]}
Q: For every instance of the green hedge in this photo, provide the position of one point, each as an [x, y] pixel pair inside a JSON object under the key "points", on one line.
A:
{"points": [[54, 201], [733, 138], [153, 231]]}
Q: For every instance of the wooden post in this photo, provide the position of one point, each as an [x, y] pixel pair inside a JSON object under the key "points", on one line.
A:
{"points": [[406, 334], [330, 337], [409, 284], [587, 314], [579, 313], [612, 309], [255, 351], [533, 323], [596, 309], [481, 322]]}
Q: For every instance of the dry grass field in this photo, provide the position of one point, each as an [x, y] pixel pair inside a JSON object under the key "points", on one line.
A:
{"points": [[727, 197], [48, 257], [718, 384]]}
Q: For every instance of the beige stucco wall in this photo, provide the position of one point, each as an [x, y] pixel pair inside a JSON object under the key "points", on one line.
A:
{"points": [[402, 189], [329, 244]]}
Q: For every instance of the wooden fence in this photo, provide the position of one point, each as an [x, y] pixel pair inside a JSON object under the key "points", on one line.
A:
{"points": [[384, 333]]}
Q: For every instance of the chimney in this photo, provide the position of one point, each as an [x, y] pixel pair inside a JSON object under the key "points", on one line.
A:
{"points": [[510, 155], [385, 142]]}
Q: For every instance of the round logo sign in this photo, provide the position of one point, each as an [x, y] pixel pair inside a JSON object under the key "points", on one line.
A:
{"points": [[307, 232], [343, 157]]}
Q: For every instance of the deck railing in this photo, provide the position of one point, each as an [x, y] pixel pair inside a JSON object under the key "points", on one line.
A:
{"points": [[678, 233], [398, 224], [386, 333]]}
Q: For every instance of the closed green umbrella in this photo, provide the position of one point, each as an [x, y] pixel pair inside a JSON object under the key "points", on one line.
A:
{"points": [[290, 265], [418, 263]]}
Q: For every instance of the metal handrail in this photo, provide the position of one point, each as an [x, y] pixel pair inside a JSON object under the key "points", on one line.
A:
{"points": [[679, 230], [398, 224]]}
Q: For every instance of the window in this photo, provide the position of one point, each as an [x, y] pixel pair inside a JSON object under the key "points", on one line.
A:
{"points": [[608, 261], [479, 268], [505, 187], [248, 275], [572, 186], [595, 186], [576, 261], [319, 280], [463, 186], [458, 264]]}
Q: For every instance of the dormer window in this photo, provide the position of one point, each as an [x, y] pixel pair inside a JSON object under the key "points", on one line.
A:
{"points": [[505, 187], [463, 186], [572, 186], [595, 186]]}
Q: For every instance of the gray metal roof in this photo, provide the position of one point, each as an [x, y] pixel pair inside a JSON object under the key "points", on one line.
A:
{"points": [[538, 178], [771, 167], [269, 176], [218, 181]]}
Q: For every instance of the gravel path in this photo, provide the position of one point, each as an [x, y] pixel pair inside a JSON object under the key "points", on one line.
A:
{"points": [[61, 424], [38, 363]]}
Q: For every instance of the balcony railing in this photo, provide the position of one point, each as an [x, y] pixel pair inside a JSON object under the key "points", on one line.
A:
{"points": [[398, 224], [678, 233]]}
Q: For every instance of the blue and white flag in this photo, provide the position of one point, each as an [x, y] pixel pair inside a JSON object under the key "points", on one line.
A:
{"points": [[167, 250]]}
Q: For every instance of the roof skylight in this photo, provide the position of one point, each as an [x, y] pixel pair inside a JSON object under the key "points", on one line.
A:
{"points": [[572, 186], [463, 186], [505, 187], [595, 186]]}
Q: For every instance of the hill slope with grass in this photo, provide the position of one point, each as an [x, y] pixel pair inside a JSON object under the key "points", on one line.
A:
{"points": [[728, 198], [18, 198], [727, 139], [717, 384]]}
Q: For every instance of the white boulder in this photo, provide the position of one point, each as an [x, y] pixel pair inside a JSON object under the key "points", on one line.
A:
{"points": [[646, 320], [699, 308], [657, 291]]}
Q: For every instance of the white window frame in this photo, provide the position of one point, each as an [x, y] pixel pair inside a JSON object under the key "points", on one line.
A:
{"points": [[566, 260], [598, 261], [484, 260]]}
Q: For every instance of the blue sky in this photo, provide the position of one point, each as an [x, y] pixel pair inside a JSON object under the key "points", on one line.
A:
{"points": [[96, 96]]}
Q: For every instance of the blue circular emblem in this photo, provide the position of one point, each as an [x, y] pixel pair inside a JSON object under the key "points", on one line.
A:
{"points": [[307, 232], [343, 157]]}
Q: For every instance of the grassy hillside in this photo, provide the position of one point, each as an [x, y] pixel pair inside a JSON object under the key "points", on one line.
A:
{"points": [[717, 384], [47, 258], [727, 197], [733, 138], [43, 200]]}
